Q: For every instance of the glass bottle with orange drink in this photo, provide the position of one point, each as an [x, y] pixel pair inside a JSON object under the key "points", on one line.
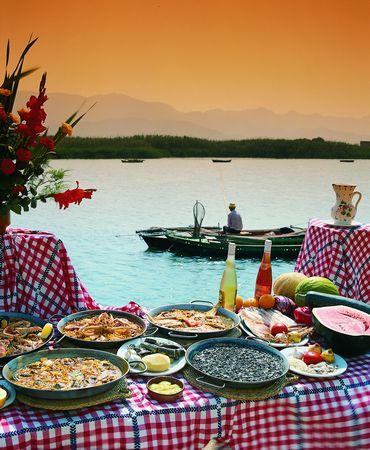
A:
{"points": [[264, 276]]}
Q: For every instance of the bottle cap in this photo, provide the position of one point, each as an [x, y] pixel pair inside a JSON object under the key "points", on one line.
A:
{"points": [[268, 245], [231, 250]]}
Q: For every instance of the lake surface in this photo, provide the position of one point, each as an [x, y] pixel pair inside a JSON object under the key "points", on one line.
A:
{"points": [[114, 263]]}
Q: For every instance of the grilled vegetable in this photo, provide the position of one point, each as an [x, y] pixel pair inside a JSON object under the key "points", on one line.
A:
{"points": [[328, 355]]}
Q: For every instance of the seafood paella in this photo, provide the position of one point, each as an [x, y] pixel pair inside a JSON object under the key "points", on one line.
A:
{"points": [[18, 336], [102, 328], [66, 373], [183, 319]]}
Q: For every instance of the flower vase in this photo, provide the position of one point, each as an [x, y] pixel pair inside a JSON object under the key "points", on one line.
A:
{"points": [[4, 222], [343, 211]]}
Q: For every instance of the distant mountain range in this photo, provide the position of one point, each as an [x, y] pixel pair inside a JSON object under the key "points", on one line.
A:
{"points": [[121, 115]]}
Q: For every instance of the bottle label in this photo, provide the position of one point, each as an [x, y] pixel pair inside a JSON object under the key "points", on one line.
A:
{"points": [[221, 298]]}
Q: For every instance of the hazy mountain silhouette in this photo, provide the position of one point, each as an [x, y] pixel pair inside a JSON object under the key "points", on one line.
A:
{"points": [[121, 115]]}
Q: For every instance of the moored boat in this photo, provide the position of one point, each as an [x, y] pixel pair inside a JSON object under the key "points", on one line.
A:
{"points": [[286, 245], [132, 160], [155, 237], [286, 241], [221, 160]]}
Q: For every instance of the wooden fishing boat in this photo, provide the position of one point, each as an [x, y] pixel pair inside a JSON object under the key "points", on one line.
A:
{"points": [[285, 244], [286, 241], [155, 237], [221, 160], [347, 160], [132, 160]]}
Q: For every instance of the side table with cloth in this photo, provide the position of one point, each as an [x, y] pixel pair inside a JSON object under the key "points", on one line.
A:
{"points": [[37, 276], [307, 415], [341, 254]]}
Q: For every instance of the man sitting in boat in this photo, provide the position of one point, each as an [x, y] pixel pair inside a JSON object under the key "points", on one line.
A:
{"points": [[234, 221]]}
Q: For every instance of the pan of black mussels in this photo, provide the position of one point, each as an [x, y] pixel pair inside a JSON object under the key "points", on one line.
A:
{"points": [[228, 362]]}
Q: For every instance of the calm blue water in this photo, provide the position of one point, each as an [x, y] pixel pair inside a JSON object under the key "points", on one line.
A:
{"points": [[114, 263]]}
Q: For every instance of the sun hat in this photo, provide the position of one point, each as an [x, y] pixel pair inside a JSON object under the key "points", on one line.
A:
{"points": [[232, 205]]}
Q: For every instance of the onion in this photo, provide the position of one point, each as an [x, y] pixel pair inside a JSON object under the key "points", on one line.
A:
{"points": [[285, 305]]}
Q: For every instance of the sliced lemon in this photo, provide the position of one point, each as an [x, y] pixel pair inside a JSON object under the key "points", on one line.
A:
{"points": [[45, 333], [3, 397]]}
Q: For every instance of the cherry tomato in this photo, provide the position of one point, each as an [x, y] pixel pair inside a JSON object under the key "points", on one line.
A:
{"points": [[277, 328], [312, 358]]}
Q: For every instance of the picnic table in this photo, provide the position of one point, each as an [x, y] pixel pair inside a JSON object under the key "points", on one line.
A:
{"points": [[341, 254], [37, 277]]}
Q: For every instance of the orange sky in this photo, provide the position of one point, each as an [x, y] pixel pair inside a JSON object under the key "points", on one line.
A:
{"points": [[303, 55]]}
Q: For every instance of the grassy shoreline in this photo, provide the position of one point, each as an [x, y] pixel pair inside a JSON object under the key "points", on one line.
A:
{"points": [[155, 146]]}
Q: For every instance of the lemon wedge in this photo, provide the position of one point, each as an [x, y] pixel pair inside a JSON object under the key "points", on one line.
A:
{"points": [[47, 329], [3, 397]]}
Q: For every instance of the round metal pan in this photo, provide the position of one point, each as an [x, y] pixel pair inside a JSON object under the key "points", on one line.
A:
{"points": [[220, 382], [95, 312], [195, 305], [34, 320], [22, 361]]}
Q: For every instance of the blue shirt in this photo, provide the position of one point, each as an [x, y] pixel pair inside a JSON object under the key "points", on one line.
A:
{"points": [[234, 220]]}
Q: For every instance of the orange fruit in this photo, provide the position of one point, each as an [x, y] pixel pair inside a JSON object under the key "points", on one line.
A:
{"points": [[250, 302], [238, 303], [266, 301]]}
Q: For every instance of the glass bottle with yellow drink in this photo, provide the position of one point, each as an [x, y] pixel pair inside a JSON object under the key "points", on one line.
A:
{"points": [[228, 287]]}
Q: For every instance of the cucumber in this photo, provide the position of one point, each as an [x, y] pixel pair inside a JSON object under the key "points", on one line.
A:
{"points": [[317, 299]]}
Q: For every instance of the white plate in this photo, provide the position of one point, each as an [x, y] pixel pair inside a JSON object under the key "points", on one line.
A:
{"points": [[353, 224], [339, 361], [174, 367], [11, 393], [273, 344]]}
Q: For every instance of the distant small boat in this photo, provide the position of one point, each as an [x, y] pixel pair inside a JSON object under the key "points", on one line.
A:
{"points": [[132, 160], [346, 160], [221, 160]]}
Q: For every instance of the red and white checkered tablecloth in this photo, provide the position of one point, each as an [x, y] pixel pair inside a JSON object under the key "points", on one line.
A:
{"points": [[307, 415], [37, 276], [340, 254]]}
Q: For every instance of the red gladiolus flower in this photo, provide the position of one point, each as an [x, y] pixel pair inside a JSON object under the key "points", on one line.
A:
{"points": [[18, 188], [23, 154], [47, 142], [34, 117], [7, 166], [72, 196]]}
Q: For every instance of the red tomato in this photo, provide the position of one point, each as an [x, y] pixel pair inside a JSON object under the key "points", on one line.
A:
{"points": [[312, 358], [277, 328]]}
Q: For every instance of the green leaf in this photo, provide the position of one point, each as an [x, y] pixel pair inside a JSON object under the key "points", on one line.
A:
{"points": [[26, 208], [33, 191], [43, 199], [16, 208], [33, 203]]}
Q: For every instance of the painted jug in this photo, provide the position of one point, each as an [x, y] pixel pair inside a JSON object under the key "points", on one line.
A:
{"points": [[344, 211]]}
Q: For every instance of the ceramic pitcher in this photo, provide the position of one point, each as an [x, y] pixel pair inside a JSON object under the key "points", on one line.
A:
{"points": [[343, 212]]}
